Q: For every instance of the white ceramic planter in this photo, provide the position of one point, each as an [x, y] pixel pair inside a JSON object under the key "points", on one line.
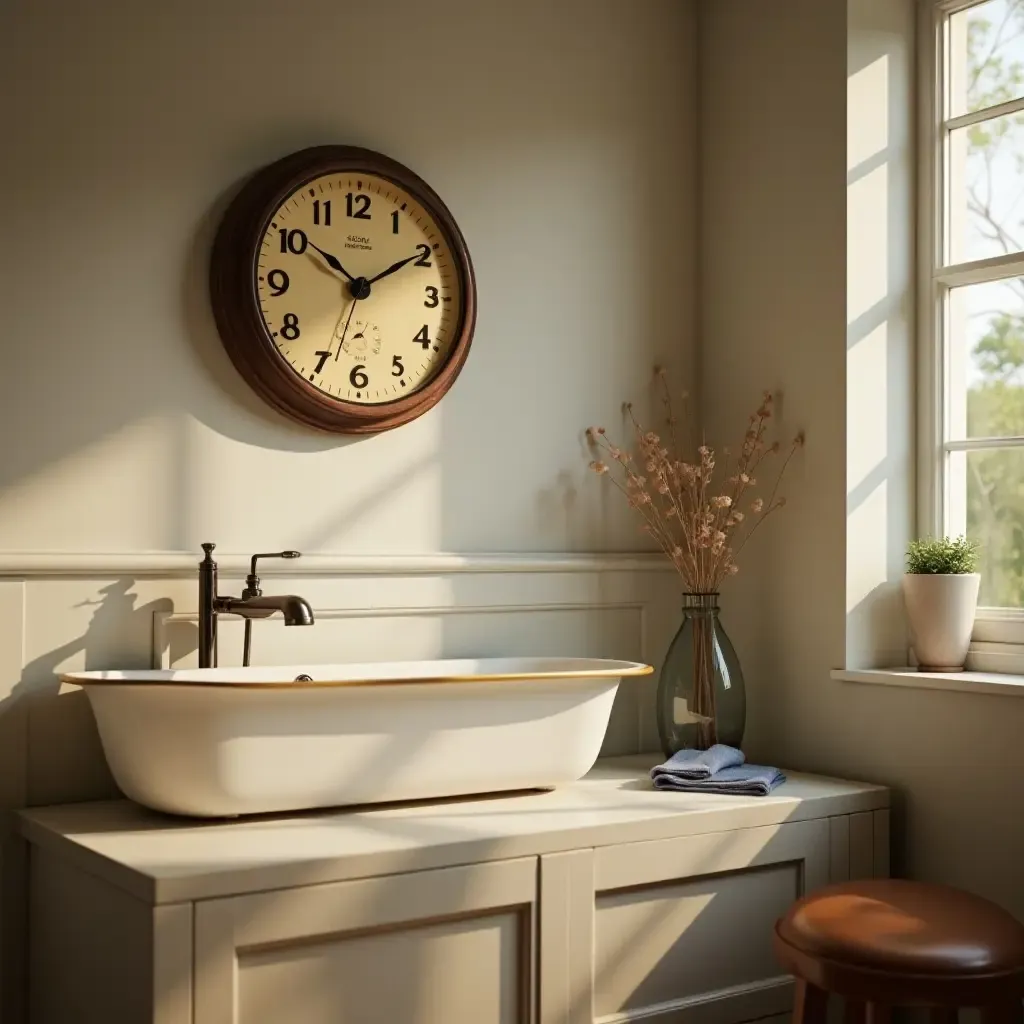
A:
{"points": [[941, 608]]}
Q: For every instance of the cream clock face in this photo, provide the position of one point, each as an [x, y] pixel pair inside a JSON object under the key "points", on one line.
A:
{"points": [[357, 288]]}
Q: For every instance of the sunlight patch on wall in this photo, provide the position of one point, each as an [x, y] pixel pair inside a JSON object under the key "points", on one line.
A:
{"points": [[867, 243], [867, 120], [117, 493], [867, 398], [866, 547], [380, 494]]}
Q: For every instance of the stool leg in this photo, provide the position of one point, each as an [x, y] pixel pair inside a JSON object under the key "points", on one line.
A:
{"points": [[810, 1005], [1010, 1012], [856, 1012], [877, 1013]]}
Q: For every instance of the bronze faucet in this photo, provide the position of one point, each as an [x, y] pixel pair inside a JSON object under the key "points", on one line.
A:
{"points": [[253, 604]]}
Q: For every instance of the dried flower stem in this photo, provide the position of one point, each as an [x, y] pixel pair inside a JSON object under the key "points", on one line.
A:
{"points": [[700, 527]]}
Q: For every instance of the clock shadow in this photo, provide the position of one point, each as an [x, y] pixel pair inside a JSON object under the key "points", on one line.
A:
{"points": [[261, 424]]}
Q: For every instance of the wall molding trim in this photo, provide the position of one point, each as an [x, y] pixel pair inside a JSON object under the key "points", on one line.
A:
{"points": [[183, 563]]}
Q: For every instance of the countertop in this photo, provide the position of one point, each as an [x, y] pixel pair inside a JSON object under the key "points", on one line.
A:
{"points": [[161, 859]]}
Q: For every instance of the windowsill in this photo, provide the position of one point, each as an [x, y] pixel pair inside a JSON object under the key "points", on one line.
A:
{"points": [[997, 683]]}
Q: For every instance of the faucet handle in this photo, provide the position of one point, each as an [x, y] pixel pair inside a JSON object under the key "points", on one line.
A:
{"points": [[252, 581]]}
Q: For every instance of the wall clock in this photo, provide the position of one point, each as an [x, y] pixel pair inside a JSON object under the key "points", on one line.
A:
{"points": [[343, 290]]}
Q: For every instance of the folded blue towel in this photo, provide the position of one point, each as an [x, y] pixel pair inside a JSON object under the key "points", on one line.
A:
{"points": [[744, 780], [691, 765]]}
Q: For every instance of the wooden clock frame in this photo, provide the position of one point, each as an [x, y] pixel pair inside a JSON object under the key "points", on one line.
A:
{"points": [[236, 306]]}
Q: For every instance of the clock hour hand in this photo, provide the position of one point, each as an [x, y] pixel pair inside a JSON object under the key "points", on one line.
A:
{"points": [[394, 267], [332, 261]]}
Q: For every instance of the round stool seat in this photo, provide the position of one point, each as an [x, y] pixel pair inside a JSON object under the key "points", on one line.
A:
{"points": [[905, 928]]}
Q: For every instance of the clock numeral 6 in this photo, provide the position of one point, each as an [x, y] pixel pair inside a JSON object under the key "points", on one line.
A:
{"points": [[290, 326], [397, 369], [278, 281], [357, 378], [431, 301], [294, 241], [357, 205], [424, 260], [423, 337]]}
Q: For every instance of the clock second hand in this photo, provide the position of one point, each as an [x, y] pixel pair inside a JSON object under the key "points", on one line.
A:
{"points": [[341, 340]]}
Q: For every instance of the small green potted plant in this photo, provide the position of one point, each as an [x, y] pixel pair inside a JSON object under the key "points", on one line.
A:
{"points": [[940, 589]]}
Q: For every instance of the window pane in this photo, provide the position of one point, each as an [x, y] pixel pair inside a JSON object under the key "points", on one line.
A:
{"points": [[986, 188], [985, 360], [986, 59], [994, 486]]}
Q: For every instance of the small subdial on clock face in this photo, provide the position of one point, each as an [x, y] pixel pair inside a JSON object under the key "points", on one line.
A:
{"points": [[363, 339]]}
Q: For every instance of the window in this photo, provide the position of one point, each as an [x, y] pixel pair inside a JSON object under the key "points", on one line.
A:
{"points": [[972, 292]]}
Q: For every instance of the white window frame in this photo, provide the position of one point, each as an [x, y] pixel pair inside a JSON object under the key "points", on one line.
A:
{"points": [[995, 628]]}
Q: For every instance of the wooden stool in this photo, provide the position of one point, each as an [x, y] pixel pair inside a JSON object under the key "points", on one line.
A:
{"points": [[886, 943]]}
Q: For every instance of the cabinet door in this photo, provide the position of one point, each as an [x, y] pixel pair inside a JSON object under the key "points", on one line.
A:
{"points": [[677, 931], [424, 948]]}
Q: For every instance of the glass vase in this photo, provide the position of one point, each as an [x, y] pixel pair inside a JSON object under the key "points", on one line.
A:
{"points": [[702, 699]]}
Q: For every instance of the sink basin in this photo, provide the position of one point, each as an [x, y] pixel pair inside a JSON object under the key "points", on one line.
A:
{"points": [[229, 741]]}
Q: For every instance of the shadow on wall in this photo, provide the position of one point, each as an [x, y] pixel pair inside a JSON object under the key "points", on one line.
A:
{"points": [[58, 721]]}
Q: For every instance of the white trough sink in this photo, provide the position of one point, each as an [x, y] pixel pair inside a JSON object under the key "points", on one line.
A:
{"points": [[228, 741]]}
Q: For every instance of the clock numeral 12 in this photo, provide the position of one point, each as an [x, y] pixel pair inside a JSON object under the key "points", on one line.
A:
{"points": [[326, 206], [357, 206]]}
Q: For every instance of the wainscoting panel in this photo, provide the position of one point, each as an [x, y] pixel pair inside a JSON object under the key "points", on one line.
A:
{"points": [[391, 608]]}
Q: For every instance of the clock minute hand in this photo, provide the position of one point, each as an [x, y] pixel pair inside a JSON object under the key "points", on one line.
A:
{"points": [[394, 267], [332, 261]]}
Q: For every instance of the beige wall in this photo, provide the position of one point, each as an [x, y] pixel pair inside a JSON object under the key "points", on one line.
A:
{"points": [[795, 296], [562, 138], [563, 145]]}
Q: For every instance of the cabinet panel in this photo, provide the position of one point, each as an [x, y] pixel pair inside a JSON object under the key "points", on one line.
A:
{"points": [[463, 970], [456, 944], [674, 940], [683, 927]]}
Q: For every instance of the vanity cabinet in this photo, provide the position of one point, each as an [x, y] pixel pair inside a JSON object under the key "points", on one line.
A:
{"points": [[601, 902]]}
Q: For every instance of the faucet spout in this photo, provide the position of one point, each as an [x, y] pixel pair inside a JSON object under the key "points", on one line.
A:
{"points": [[295, 609]]}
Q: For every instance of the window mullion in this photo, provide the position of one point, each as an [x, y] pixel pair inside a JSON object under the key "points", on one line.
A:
{"points": [[995, 268], [931, 95], [982, 444]]}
